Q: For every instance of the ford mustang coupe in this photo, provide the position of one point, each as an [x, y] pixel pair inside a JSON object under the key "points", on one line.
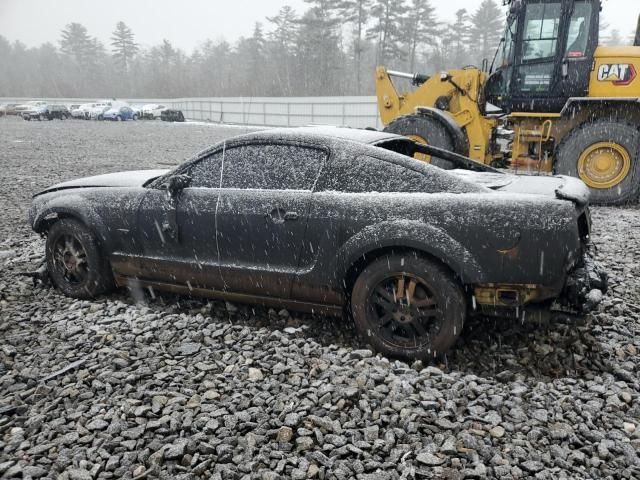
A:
{"points": [[330, 220]]}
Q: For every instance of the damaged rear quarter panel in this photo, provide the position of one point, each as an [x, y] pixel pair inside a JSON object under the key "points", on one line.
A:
{"points": [[481, 237]]}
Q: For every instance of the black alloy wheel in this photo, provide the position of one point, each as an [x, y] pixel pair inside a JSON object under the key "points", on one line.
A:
{"points": [[408, 306], [75, 261]]}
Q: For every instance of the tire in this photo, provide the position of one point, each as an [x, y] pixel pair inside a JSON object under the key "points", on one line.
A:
{"points": [[75, 262], [119, 118], [135, 118], [573, 153], [180, 117], [41, 118], [424, 130], [373, 300], [100, 117]]}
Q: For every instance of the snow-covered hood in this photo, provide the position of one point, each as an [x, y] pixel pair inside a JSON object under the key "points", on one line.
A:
{"points": [[136, 178], [560, 187]]}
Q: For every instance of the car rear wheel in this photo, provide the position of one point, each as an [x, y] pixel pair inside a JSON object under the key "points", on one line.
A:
{"points": [[135, 117], [119, 118], [75, 262], [408, 307]]}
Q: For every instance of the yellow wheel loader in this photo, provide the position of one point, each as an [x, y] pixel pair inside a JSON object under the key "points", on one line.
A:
{"points": [[570, 106]]}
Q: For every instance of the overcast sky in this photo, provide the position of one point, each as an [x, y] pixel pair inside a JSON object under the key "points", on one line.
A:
{"points": [[187, 23]]}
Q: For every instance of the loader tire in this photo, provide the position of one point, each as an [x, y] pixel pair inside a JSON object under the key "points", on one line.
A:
{"points": [[427, 131], [604, 155]]}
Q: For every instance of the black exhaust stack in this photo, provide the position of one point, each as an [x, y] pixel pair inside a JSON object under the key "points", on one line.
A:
{"points": [[636, 43]]}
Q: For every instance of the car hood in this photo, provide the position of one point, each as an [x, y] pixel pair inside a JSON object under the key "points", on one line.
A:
{"points": [[136, 178], [558, 187]]}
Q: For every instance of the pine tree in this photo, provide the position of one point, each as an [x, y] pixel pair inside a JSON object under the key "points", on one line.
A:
{"points": [[281, 50], [486, 31], [319, 51], [77, 43], [420, 27], [459, 37], [250, 72], [356, 12], [387, 30], [123, 45]]}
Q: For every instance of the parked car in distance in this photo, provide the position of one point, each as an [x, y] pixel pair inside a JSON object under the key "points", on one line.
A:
{"points": [[325, 220], [138, 109], [38, 111], [19, 109], [72, 107], [152, 111], [120, 114], [60, 112], [96, 112], [83, 111], [10, 109], [171, 115]]}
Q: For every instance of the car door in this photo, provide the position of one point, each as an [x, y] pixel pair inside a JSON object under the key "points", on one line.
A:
{"points": [[262, 215], [178, 231]]}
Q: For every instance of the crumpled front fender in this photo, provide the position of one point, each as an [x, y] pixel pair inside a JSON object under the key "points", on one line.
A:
{"points": [[65, 206]]}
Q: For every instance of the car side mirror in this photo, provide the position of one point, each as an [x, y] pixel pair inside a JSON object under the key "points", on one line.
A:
{"points": [[177, 183]]}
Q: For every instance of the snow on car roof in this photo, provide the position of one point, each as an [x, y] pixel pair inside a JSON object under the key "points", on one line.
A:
{"points": [[341, 133]]}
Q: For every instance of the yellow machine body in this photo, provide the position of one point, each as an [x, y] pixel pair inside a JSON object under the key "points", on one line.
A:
{"points": [[614, 88], [464, 109], [614, 91]]}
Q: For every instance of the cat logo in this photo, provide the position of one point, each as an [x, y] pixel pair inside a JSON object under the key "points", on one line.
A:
{"points": [[618, 73]]}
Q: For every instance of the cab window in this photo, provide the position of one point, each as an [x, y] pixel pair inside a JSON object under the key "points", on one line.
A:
{"points": [[541, 31], [579, 30]]}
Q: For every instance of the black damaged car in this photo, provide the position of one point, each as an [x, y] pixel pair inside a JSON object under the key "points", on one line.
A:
{"points": [[331, 220]]}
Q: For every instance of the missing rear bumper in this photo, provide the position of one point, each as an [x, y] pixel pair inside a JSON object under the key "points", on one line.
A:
{"points": [[585, 287]]}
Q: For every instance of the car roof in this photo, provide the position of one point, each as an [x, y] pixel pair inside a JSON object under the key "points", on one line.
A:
{"points": [[368, 137]]}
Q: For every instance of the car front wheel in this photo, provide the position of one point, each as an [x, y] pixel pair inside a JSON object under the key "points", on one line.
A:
{"points": [[408, 307], [74, 260]]}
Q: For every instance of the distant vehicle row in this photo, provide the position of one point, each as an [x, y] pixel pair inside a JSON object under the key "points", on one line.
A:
{"points": [[99, 110]]}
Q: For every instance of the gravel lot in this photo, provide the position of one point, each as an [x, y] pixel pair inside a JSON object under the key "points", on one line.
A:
{"points": [[178, 388]]}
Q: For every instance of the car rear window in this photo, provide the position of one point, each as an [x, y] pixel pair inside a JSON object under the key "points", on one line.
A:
{"points": [[369, 174]]}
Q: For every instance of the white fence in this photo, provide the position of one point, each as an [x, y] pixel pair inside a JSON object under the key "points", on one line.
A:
{"points": [[357, 112]]}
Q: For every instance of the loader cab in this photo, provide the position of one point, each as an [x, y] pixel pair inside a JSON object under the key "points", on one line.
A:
{"points": [[546, 55]]}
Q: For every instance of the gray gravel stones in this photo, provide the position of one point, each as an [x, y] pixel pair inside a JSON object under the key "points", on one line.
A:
{"points": [[178, 388]]}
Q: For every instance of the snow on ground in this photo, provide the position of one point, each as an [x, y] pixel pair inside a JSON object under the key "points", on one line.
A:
{"points": [[186, 389]]}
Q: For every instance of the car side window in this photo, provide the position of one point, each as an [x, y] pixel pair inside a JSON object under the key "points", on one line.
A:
{"points": [[273, 167], [366, 174], [206, 173]]}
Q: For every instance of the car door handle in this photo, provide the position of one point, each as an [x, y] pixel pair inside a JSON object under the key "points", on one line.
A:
{"points": [[279, 216]]}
